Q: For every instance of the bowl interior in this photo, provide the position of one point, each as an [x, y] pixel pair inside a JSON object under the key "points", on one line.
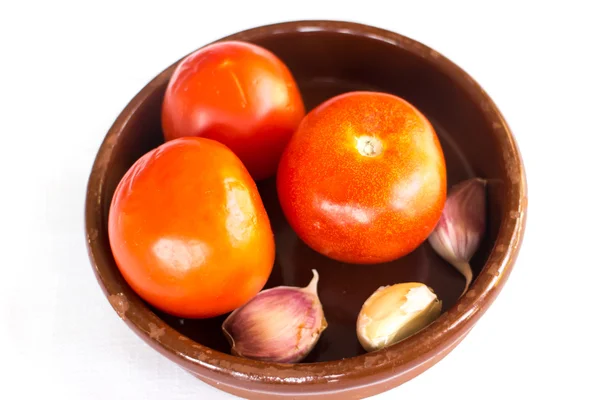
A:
{"points": [[326, 64]]}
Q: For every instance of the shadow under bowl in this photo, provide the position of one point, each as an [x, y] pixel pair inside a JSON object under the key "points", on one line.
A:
{"points": [[328, 58]]}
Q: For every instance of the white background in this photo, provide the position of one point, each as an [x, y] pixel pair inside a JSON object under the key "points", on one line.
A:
{"points": [[68, 69]]}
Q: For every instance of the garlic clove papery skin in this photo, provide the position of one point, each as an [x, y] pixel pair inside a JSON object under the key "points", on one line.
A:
{"points": [[462, 225], [281, 324], [393, 313]]}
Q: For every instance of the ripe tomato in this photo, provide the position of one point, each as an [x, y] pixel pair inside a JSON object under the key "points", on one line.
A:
{"points": [[239, 94], [188, 229], [363, 179]]}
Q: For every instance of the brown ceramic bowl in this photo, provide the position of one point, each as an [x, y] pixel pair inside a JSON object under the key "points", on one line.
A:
{"points": [[328, 58]]}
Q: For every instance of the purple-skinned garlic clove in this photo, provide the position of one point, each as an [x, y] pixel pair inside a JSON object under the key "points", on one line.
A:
{"points": [[282, 324], [462, 225]]}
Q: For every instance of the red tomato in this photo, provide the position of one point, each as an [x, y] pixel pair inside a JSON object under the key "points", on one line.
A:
{"points": [[363, 179], [239, 94], [188, 229]]}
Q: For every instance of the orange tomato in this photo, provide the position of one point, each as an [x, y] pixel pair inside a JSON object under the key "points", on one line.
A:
{"points": [[239, 94], [363, 179], [188, 229]]}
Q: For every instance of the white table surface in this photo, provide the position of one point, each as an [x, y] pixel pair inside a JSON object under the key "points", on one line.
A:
{"points": [[69, 68]]}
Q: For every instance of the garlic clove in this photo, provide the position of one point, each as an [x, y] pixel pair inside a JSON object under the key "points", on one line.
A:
{"points": [[393, 313], [462, 225], [282, 324]]}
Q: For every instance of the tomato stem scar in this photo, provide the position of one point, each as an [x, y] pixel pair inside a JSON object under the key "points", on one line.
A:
{"points": [[369, 146]]}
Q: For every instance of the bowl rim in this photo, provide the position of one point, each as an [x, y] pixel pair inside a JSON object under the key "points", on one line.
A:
{"points": [[400, 358]]}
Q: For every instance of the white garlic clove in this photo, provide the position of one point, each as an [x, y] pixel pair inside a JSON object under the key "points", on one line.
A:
{"points": [[462, 225], [282, 324], [393, 313]]}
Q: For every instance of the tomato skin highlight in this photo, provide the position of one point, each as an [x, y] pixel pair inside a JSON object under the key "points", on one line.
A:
{"points": [[189, 231], [363, 179], [239, 94]]}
